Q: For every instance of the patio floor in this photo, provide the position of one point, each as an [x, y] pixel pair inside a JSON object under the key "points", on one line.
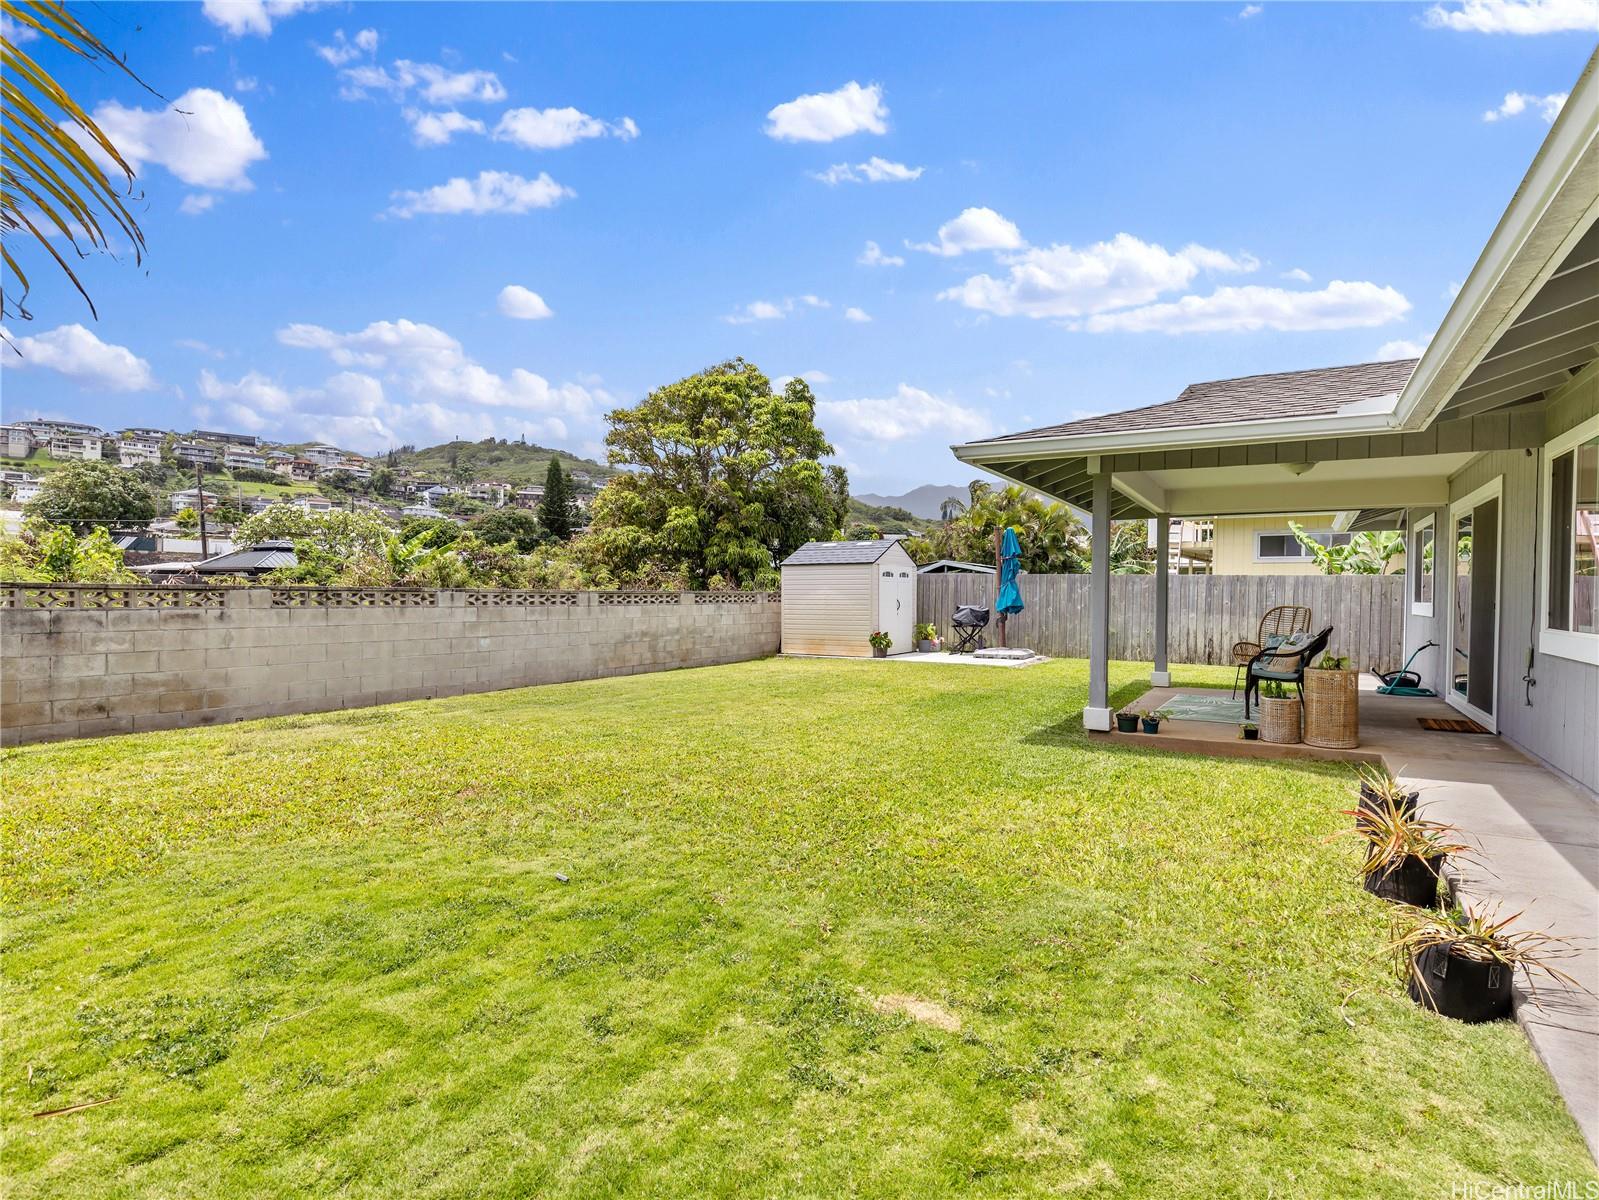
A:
{"points": [[1538, 833]]}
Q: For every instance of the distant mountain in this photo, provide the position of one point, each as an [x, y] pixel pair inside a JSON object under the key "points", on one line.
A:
{"points": [[919, 502], [506, 462]]}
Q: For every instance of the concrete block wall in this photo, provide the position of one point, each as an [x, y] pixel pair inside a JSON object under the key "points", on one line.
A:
{"points": [[204, 656]]}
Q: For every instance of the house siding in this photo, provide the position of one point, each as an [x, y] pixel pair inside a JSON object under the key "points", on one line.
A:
{"points": [[829, 609], [1557, 719], [1233, 546]]}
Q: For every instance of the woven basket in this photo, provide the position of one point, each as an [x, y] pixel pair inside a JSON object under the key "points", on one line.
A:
{"points": [[1279, 720], [1332, 708]]}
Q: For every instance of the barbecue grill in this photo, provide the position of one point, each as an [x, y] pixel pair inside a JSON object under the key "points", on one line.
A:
{"points": [[969, 622]]}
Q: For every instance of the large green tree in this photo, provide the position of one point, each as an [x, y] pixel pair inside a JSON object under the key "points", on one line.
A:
{"points": [[88, 493], [1370, 552], [724, 479], [557, 508], [509, 526]]}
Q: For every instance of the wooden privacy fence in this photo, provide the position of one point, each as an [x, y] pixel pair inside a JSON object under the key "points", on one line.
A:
{"points": [[1207, 613]]}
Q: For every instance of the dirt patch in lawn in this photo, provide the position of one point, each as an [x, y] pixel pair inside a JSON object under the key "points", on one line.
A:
{"points": [[924, 1011]]}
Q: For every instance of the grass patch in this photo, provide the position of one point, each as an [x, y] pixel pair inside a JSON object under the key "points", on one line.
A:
{"points": [[830, 928]]}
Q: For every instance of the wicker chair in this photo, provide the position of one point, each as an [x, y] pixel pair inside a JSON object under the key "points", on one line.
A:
{"points": [[1281, 622]]}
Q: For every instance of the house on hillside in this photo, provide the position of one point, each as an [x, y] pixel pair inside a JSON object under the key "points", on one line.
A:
{"points": [[134, 453], [300, 470], [234, 458], [197, 453], [16, 441], [227, 439], [1484, 452], [326, 457], [84, 444], [529, 497]]}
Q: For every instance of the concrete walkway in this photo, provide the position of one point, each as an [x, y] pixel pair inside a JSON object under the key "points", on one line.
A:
{"points": [[1539, 841]]}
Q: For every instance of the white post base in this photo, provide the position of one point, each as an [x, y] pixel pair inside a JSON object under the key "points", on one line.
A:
{"points": [[1096, 720], [1160, 679]]}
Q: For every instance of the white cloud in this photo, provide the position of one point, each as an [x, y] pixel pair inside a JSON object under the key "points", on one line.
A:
{"points": [[196, 203], [410, 377], [517, 301], [433, 84], [873, 256], [1339, 305], [246, 83], [1298, 274], [910, 411], [200, 347], [1517, 16], [1249, 10], [859, 315], [1064, 281], [75, 352], [760, 310], [1452, 290], [203, 137], [828, 116], [974, 229], [552, 128], [1516, 103], [346, 50], [1401, 348], [15, 32], [873, 170], [239, 17], [490, 192], [782, 381], [437, 128]]}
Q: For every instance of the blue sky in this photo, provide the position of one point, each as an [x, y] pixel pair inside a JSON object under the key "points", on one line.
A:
{"points": [[1075, 208]]}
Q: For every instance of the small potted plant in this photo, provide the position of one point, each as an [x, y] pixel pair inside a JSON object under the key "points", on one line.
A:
{"points": [[1150, 722], [1463, 965], [926, 638], [1127, 721], [880, 643], [1380, 789], [1279, 713], [1249, 731], [1332, 703], [1404, 854]]}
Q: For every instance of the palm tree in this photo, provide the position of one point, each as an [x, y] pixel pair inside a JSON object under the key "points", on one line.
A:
{"points": [[52, 181]]}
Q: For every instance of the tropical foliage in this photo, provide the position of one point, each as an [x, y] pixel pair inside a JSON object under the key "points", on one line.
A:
{"points": [[83, 494], [723, 481], [1368, 553], [54, 189], [46, 553]]}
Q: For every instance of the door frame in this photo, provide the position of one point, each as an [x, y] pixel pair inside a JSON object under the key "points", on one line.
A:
{"points": [[1494, 489]]}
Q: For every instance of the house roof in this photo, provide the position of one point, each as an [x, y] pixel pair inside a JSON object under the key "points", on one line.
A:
{"points": [[1322, 391], [949, 565], [837, 554], [263, 556]]}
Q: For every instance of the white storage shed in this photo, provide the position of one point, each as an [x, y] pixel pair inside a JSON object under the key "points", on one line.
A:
{"points": [[836, 594]]}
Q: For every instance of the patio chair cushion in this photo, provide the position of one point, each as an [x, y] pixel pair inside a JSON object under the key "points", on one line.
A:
{"points": [[1260, 672]]}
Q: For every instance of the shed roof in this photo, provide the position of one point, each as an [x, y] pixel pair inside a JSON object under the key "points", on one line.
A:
{"points": [[817, 554], [263, 556], [1322, 391]]}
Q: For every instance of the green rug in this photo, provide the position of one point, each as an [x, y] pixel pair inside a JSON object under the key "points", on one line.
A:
{"points": [[1202, 708]]}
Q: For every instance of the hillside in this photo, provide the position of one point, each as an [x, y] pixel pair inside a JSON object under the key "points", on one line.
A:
{"points": [[919, 502], [508, 462], [883, 518]]}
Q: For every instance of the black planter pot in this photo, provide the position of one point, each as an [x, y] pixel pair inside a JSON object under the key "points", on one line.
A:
{"points": [[1411, 880], [1373, 804], [1126, 722], [1151, 724], [1250, 733], [1459, 987]]}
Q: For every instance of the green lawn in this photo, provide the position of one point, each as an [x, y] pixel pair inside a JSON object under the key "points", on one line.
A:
{"points": [[330, 955]]}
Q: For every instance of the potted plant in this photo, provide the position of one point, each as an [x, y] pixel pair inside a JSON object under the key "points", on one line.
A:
{"points": [[926, 638], [1249, 731], [1379, 789], [1332, 703], [1404, 854], [1127, 721], [1463, 964], [880, 643], [1150, 722], [1279, 713]]}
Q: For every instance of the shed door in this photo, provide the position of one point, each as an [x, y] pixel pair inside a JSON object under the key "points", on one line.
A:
{"points": [[896, 606]]}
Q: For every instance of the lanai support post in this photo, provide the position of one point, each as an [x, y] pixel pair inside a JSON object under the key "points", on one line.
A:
{"points": [[1096, 717], [1161, 675]]}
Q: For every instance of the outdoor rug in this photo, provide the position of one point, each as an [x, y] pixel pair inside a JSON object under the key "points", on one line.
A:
{"points": [[1203, 708]]}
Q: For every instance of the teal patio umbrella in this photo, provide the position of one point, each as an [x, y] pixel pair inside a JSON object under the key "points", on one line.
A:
{"points": [[1009, 600]]}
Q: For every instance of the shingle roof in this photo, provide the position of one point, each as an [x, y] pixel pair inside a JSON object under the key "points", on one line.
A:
{"points": [[814, 554], [1315, 393], [263, 556]]}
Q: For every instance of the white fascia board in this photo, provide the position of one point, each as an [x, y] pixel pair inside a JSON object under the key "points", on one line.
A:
{"points": [[1467, 332]]}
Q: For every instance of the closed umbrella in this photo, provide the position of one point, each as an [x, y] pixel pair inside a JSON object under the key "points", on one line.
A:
{"points": [[1010, 592]]}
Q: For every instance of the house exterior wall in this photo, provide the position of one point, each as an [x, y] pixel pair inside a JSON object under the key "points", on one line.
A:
{"points": [[1234, 544], [177, 657], [829, 609], [1557, 720]]}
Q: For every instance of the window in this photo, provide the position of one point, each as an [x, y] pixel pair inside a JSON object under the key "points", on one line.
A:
{"points": [[1424, 573], [1571, 526], [1285, 547]]}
